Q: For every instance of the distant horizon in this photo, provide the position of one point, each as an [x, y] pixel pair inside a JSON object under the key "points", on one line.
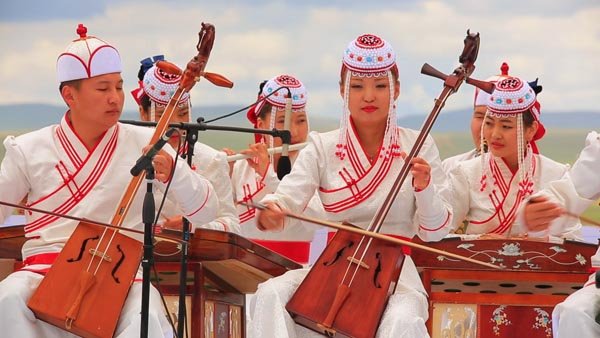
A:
{"points": [[4, 109]]}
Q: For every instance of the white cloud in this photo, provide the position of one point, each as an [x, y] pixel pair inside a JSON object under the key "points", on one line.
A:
{"points": [[558, 43]]}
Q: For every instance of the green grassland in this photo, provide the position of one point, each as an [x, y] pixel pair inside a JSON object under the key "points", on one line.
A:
{"points": [[560, 145]]}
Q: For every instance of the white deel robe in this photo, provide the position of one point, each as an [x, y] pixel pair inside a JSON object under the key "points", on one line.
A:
{"points": [[451, 162], [352, 190], [250, 187], [56, 172], [575, 316], [496, 210], [295, 241], [212, 165]]}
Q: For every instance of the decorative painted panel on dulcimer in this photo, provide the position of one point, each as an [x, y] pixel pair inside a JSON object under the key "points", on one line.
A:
{"points": [[222, 320], [473, 301], [511, 254], [482, 321]]}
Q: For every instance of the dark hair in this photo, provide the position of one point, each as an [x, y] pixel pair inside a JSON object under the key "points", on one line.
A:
{"points": [[266, 108], [528, 118], [145, 102], [73, 83], [144, 99]]}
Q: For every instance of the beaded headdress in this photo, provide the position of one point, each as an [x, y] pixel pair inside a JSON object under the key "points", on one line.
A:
{"points": [[278, 99], [158, 85]]}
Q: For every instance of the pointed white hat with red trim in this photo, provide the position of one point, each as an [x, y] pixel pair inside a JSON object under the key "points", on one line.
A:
{"points": [[87, 57]]}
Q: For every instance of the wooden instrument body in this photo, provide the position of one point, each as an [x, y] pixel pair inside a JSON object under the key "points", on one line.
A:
{"points": [[225, 266], [99, 313], [369, 292]]}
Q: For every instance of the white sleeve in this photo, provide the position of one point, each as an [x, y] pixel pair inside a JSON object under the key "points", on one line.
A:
{"points": [[299, 186], [217, 172], [14, 182], [461, 195], [434, 213], [585, 172], [563, 193], [270, 180], [194, 193], [575, 191], [448, 164]]}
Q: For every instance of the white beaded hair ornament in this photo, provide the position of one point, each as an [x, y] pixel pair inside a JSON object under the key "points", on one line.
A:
{"points": [[369, 56], [87, 57], [482, 97], [278, 100]]}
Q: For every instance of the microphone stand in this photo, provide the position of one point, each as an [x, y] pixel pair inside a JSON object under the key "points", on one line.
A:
{"points": [[192, 130], [190, 141], [148, 211], [284, 135]]}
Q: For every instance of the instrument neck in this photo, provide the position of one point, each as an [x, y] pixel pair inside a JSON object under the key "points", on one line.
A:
{"points": [[382, 212]]}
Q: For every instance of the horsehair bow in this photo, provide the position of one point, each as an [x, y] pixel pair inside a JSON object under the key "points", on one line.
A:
{"points": [[376, 235], [86, 220]]}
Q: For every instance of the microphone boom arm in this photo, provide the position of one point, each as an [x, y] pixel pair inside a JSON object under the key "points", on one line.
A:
{"points": [[284, 135]]}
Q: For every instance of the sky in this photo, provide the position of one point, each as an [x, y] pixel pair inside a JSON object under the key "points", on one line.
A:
{"points": [[557, 41]]}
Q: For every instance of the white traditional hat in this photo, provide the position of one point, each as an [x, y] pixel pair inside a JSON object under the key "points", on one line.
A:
{"points": [[369, 53], [511, 95], [482, 97], [515, 96], [87, 57], [279, 96]]}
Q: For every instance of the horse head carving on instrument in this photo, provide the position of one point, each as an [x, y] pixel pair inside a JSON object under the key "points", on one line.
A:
{"points": [[195, 68], [470, 49]]}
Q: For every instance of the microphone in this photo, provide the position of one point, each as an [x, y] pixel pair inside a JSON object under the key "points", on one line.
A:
{"points": [[284, 165], [145, 160]]}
